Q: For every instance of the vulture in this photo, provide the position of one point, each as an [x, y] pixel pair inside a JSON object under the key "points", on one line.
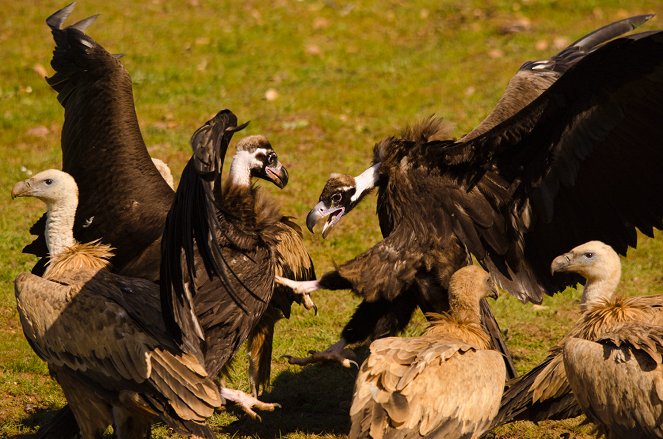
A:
{"points": [[573, 152], [102, 334], [446, 383], [544, 392], [618, 380], [123, 197]]}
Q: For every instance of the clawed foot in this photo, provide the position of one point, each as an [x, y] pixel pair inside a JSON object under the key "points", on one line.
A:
{"points": [[299, 287], [307, 302], [247, 402], [335, 353]]}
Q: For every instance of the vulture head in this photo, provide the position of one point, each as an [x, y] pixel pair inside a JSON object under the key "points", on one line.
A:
{"points": [[51, 186], [598, 263], [255, 157], [59, 191], [339, 196], [467, 287]]}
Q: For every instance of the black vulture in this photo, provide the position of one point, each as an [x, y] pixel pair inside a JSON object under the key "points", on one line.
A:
{"points": [[544, 392], [576, 160], [123, 198], [446, 383], [102, 334]]}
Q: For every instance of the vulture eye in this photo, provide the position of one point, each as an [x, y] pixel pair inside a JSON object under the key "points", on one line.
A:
{"points": [[272, 158], [589, 255], [336, 198], [48, 181]]}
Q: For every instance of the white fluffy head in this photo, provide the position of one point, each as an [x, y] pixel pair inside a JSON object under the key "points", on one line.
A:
{"points": [[50, 186]]}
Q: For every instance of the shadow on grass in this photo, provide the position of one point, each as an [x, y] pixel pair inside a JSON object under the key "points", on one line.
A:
{"points": [[314, 400]]}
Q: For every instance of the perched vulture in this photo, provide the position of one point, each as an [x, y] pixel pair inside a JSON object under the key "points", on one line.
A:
{"points": [[571, 153], [544, 392], [122, 196], [102, 334], [445, 383], [618, 380]]}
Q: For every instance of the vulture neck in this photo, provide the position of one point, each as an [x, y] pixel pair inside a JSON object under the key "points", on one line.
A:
{"points": [[366, 181], [601, 288], [240, 169], [60, 224], [463, 309]]}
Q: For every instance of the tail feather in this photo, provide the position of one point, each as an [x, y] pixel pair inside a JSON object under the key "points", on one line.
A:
{"points": [[492, 327]]}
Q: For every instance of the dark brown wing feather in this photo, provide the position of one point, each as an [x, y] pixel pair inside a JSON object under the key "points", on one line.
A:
{"points": [[584, 161], [122, 197], [216, 256]]}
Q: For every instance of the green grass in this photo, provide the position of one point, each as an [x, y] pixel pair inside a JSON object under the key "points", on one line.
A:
{"points": [[347, 74]]}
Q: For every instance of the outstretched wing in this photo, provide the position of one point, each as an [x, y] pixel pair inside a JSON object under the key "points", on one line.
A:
{"points": [[122, 197], [584, 162], [535, 77]]}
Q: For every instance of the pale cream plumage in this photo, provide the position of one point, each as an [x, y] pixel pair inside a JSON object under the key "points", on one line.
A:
{"points": [[446, 383]]}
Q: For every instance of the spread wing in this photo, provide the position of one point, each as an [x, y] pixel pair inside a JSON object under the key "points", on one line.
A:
{"points": [[584, 161], [424, 387], [122, 197]]}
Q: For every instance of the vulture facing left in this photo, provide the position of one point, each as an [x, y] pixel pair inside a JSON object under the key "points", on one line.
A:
{"points": [[577, 159], [102, 334], [544, 392], [446, 383], [122, 196]]}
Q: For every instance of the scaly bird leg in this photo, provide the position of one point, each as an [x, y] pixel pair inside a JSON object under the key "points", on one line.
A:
{"points": [[303, 289], [336, 353], [247, 402]]}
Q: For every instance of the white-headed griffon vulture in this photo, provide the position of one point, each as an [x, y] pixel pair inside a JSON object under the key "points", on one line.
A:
{"points": [[123, 199], [618, 380], [102, 334], [544, 392], [446, 383], [573, 152]]}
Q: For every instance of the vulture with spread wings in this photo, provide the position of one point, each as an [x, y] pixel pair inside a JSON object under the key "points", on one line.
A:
{"points": [[577, 157], [123, 198]]}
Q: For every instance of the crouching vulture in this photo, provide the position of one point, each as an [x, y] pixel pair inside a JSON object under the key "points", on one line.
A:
{"points": [[618, 380], [102, 334], [445, 383], [544, 392], [573, 156], [122, 197]]}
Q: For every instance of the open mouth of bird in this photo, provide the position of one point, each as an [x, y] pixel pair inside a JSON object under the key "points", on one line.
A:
{"points": [[334, 216]]}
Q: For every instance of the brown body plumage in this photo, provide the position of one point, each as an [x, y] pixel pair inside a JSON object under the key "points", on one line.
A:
{"points": [[617, 379], [102, 334], [445, 383], [544, 392]]}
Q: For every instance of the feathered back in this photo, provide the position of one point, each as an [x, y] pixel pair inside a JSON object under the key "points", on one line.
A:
{"points": [[88, 257]]}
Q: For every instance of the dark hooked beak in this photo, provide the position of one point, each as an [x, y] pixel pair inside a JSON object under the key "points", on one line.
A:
{"points": [[319, 212], [561, 263], [21, 188], [493, 292], [278, 175]]}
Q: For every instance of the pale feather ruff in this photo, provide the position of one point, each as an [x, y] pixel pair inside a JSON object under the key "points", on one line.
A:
{"points": [[92, 256]]}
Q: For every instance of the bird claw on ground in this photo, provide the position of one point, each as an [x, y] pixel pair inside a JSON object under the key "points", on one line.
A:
{"points": [[345, 358], [247, 402]]}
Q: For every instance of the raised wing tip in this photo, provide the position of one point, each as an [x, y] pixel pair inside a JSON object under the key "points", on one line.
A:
{"points": [[55, 20], [84, 23]]}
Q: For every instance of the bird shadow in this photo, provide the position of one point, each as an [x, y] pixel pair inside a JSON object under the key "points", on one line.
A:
{"points": [[314, 400]]}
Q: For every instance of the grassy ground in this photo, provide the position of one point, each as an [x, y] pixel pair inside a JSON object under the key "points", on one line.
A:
{"points": [[344, 74]]}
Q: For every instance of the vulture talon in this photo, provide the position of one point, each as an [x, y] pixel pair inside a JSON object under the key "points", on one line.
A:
{"points": [[247, 402], [298, 287]]}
